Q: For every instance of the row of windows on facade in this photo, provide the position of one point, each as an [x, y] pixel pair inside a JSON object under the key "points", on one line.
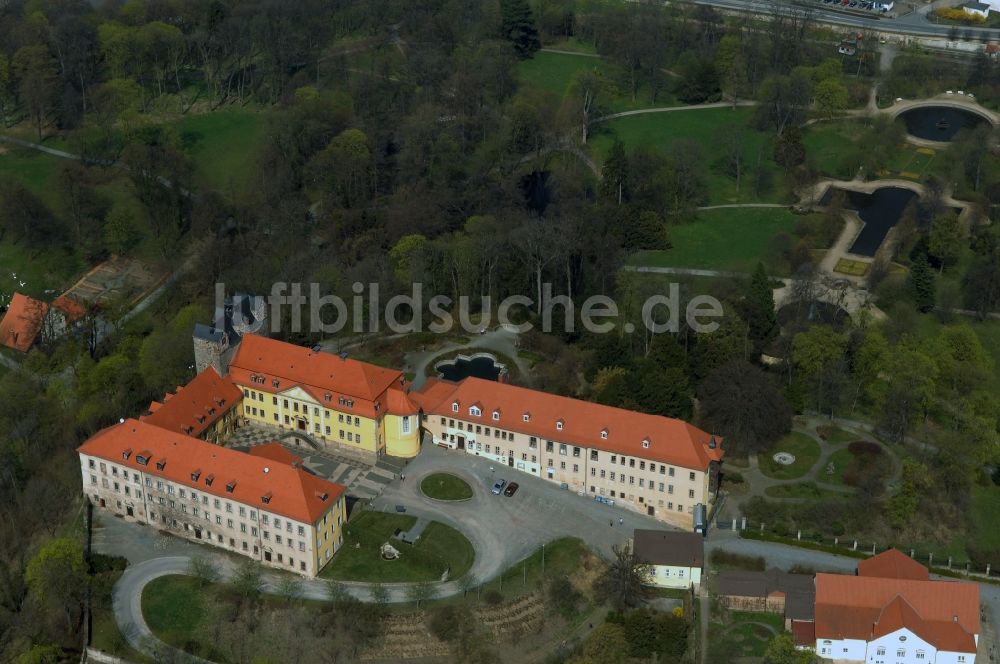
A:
{"points": [[184, 493], [350, 436], [476, 411], [563, 449], [880, 651], [642, 500], [341, 417], [275, 383]]}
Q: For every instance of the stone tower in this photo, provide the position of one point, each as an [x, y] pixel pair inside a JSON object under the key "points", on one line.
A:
{"points": [[215, 344]]}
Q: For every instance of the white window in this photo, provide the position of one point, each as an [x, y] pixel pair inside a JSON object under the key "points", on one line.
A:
{"points": [[496, 415], [604, 435], [526, 417], [559, 425], [474, 411], [454, 407], [406, 424], [645, 443]]}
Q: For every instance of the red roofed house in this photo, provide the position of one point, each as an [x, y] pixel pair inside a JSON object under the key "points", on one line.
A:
{"points": [[206, 408], [891, 613], [262, 508], [348, 406], [656, 465], [23, 322]]}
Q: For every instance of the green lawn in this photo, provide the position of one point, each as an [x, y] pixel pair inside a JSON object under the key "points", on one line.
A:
{"points": [[659, 131], [439, 548], [445, 486], [553, 72], [806, 452], [831, 147], [840, 459], [743, 635], [808, 490], [835, 435], [727, 239], [40, 270], [986, 515], [224, 146], [32, 168], [174, 608]]}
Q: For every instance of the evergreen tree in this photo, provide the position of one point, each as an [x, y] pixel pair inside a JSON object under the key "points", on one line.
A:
{"points": [[758, 308], [614, 184], [518, 27], [922, 284]]}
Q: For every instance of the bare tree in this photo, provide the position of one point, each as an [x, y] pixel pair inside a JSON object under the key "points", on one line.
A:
{"points": [[624, 582]]}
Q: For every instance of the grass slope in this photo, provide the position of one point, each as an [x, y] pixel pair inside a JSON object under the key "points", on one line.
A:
{"points": [[224, 145], [439, 548], [659, 131], [730, 239]]}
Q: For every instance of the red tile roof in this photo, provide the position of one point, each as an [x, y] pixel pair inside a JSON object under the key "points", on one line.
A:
{"points": [[804, 633], [22, 322], [196, 406], [893, 564], [319, 374], [293, 492], [432, 392], [275, 451], [70, 308], [667, 440], [944, 613]]}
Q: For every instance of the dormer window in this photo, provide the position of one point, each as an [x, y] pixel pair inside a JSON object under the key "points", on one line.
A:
{"points": [[201, 419], [604, 434], [161, 464], [142, 458], [195, 475], [645, 443], [322, 495], [127, 453], [328, 397], [209, 479], [559, 425], [231, 487], [526, 417], [275, 382], [454, 406], [475, 411], [496, 415], [266, 498]]}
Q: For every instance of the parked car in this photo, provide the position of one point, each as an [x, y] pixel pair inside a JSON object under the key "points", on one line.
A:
{"points": [[498, 487], [511, 489]]}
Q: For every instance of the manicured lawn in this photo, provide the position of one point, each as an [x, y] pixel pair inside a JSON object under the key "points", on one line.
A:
{"points": [[851, 267], [224, 146], [445, 486], [174, 608], [659, 131], [439, 548], [731, 239], [830, 146], [802, 447], [743, 635]]}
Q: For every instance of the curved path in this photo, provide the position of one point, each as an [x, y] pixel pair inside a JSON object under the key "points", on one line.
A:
{"points": [[674, 109]]}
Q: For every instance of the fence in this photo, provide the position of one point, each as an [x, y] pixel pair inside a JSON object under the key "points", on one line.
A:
{"points": [[862, 548]]}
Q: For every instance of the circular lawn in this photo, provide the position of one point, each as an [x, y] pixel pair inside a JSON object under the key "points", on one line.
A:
{"points": [[445, 486]]}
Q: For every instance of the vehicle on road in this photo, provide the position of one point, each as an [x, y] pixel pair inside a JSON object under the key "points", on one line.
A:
{"points": [[498, 487], [511, 489]]}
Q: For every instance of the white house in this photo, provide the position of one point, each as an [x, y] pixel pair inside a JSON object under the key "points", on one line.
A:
{"points": [[895, 619], [977, 9], [675, 559]]}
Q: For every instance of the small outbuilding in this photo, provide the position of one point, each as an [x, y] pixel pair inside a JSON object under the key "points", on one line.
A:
{"points": [[676, 559]]}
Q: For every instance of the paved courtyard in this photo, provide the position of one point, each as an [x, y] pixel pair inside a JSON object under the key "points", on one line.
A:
{"points": [[363, 480]]}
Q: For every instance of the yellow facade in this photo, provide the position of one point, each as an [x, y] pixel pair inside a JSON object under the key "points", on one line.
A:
{"points": [[400, 433]]}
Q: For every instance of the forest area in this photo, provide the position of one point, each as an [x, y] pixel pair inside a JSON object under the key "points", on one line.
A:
{"points": [[398, 141]]}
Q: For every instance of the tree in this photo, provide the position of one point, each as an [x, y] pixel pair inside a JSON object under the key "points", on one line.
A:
{"points": [[946, 239], [818, 357], [57, 577], [121, 233], [831, 97], [789, 150], [981, 284], [345, 169], [379, 594], [37, 81], [289, 588], [607, 644], [586, 98], [614, 175], [921, 284], [204, 570], [248, 580], [337, 592], [781, 650], [518, 27], [623, 583], [758, 308], [741, 403], [418, 593]]}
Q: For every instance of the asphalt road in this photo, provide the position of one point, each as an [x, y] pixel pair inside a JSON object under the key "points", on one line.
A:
{"points": [[502, 530]]}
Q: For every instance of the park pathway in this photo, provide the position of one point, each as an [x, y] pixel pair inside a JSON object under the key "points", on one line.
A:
{"points": [[676, 109]]}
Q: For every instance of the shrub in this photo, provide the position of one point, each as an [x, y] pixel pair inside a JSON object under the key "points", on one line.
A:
{"points": [[448, 623], [732, 477], [564, 596], [100, 563], [493, 598], [754, 563]]}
